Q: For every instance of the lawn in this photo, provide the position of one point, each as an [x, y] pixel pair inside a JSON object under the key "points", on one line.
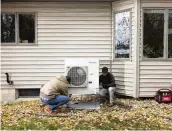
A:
{"points": [[144, 114]]}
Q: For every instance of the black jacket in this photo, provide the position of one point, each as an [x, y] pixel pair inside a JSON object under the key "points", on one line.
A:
{"points": [[107, 81]]}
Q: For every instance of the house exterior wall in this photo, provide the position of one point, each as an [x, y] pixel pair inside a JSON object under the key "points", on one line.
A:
{"points": [[64, 30], [80, 30], [154, 74], [123, 69]]}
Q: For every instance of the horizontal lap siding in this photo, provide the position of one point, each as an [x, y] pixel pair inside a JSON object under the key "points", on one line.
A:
{"points": [[154, 75], [156, 1], [123, 70], [64, 30]]}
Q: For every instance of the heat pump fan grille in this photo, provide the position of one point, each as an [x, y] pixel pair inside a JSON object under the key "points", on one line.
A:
{"points": [[77, 75]]}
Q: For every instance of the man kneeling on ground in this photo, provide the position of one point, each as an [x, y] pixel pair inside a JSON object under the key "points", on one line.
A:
{"points": [[107, 85], [54, 93]]}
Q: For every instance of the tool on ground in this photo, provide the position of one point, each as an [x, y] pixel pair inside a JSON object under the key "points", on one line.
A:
{"points": [[163, 96]]}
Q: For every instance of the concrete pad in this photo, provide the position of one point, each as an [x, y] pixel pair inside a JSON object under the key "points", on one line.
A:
{"points": [[85, 105], [27, 99]]}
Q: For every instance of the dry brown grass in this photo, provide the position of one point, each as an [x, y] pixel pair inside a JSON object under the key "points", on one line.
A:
{"points": [[144, 114]]}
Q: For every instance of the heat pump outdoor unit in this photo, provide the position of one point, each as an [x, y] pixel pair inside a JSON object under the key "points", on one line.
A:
{"points": [[84, 75]]}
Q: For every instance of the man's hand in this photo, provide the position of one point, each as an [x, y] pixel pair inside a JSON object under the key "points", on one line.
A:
{"points": [[105, 86], [100, 86]]}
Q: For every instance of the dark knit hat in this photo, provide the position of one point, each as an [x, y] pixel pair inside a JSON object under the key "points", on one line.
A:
{"points": [[104, 70]]}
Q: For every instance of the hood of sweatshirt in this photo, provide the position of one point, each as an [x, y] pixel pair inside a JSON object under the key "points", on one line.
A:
{"points": [[63, 79]]}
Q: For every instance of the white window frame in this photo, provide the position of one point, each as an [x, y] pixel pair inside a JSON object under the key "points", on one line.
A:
{"points": [[11, 43], [169, 12], [114, 36], [17, 43], [166, 12]]}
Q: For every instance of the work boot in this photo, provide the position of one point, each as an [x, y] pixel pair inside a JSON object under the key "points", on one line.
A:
{"points": [[42, 105], [55, 111], [111, 104]]}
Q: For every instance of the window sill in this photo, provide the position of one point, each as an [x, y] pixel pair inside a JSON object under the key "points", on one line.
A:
{"points": [[19, 44], [121, 59], [158, 59]]}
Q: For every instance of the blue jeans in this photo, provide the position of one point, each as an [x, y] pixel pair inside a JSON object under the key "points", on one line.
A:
{"points": [[59, 100]]}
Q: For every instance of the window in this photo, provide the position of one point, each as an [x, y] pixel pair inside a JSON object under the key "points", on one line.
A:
{"points": [[26, 93], [170, 35], [26, 28], [157, 25], [8, 28], [153, 35], [122, 38], [18, 28]]}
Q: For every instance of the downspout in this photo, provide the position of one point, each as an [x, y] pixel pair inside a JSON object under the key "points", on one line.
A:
{"points": [[8, 79], [136, 61], [111, 34]]}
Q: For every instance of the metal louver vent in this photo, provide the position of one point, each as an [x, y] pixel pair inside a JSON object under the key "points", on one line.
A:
{"points": [[77, 75]]}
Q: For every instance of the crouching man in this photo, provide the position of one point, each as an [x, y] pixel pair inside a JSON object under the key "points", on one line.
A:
{"points": [[107, 85], [54, 93]]}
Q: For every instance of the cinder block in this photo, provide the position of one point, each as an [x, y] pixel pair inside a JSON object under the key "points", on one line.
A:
{"points": [[8, 95], [11, 91], [4, 91]]}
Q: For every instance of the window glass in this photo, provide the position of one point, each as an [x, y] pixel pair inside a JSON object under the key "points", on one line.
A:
{"points": [[122, 35], [26, 28], [153, 37], [7, 28], [170, 36]]}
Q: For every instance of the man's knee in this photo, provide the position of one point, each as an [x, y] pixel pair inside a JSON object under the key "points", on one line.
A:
{"points": [[63, 98], [112, 89], [103, 92], [67, 99]]}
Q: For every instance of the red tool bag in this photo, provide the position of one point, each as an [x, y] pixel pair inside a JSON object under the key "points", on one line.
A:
{"points": [[164, 96]]}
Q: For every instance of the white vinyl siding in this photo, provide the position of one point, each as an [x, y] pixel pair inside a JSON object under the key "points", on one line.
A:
{"points": [[156, 3], [154, 74], [64, 30], [123, 69]]}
